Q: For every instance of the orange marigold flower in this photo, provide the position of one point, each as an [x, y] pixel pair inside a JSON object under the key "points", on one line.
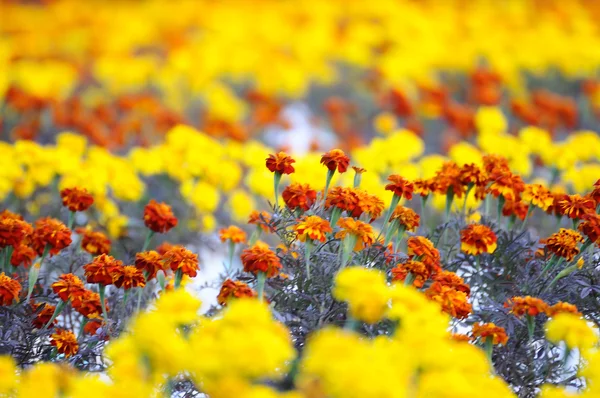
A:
{"points": [[128, 276], [261, 219], [507, 184], [590, 227], [44, 315], [490, 330], [280, 163], [65, 342], [359, 170], [477, 238], [453, 302], [563, 243], [336, 159], [367, 203], [595, 194], [471, 174], [92, 326], [159, 217], [538, 195], [528, 305], [313, 228], [459, 337], [95, 243], [101, 269], [88, 304], [52, 233], [495, 164], [9, 214], [575, 206], [233, 234], [518, 209], [150, 263], [22, 255], [450, 279], [9, 289], [299, 196], [363, 232], [259, 258], [449, 177], [234, 289], [562, 307], [419, 271], [164, 247], [343, 198], [407, 218], [422, 249], [76, 199], [400, 186], [424, 187], [68, 287], [13, 231], [181, 258]]}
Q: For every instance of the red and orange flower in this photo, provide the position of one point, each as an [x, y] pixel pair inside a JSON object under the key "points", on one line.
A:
{"points": [[68, 287], [150, 263], [400, 186], [342, 198], [450, 279], [159, 217], [362, 231], [233, 290], [486, 331], [128, 277], [335, 159], [563, 243], [95, 243], [180, 258], [527, 305], [88, 304], [44, 316], [314, 228], [51, 233], [13, 231], [65, 342], [538, 196], [22, 255], [299, 196], [9, 290], [417, 269], [260, 258], [422, 249], [102, 269], [76, 199], [280, 163], [590, 227], [233, 234], [562, 307], [477, 238], [407, 218], [575, 206], [262, 219], [453, 302]]}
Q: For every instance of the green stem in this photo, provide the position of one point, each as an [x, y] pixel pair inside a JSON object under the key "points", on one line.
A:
{"points": [[529, 211], [423, 214], [489, 348], [260, 289], [125, 297], [347, 248], [147, 241], [71, 220], [410, 278], [399, 237], [84, 322], [330, 174], [255, 236], [160, 276], [469, 188], [530, 326], [501, 202], [102, 293], [351, 323], [390, 232], [449, 200], [59, 307], [478, 262], [229, 266], [307, 249], [140, 292], [276, 181], [388, 215], [35, 271], [178, 277]]}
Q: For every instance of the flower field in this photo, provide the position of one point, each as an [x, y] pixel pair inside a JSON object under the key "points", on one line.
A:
{"points": [[301, 199]]}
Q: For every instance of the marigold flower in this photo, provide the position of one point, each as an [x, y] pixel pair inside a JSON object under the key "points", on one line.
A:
{"points": [[13, 231], [575, 206], [573, 330], [52, 233], [517, 208], [10, 215], [233, 234], [68, 287], [92, 326], [424, 187], [9, 289], [159, 217], [164, 247], [343, 198], [95, 243], [471, 174], [261, 219], [400, 186], [527, 305], [595, 193], [490, 330], [234, 289], [367, 203], [449, 177], [336, 159], [419, 271], [366, 292], [128, 276], [101, 269], [363, 232], [538, 195], [562, 307], [299, 196], [422, 249], [65, 342], [22, 255], [259, 258], [313, 228], [495, 164], [459, 337], [181, 258], [453, 302], [407, 218], [88, 304], [280, 163], [590, 227], [450, 279], [507, 184], [150, 263], [477, 238], [563, 243], [43, 317], [76, 199]]}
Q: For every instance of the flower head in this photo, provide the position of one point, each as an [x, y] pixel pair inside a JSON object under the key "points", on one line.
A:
{"points": [[88, 304], [471, 174], [312, 227], [400, 186], [233, 234], [424, 187], [93, 242], [128, 276], [362, 231], [336, 159], [159, 217], [280, 163], [76, 199], [261, 219], [299, 196], [68, 287], [450, 279], [516, 208], [233, 290], [180, 258], [343, 198], [477, 238], [13, 231], [101, 270], [528, 305], [572, 329], [562, 307], [590, 227], [22, 255], [259, 258], [52, 233], [538, 195], [490, 330], [65, 342], [9, 289], [449, 178], [417, 269], [365, 290], [407, 218], [422, 249], [44, 315], [563, 243], [453, 302], [150, 263], [507, 184], [575, 206], [367, 203]]}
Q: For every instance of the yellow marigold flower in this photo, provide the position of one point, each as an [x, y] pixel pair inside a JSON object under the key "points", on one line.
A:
{"points": [[362, 231], [178, 307], [366, 292], [312, 227], [477, 238], [538, 195], [573, 330], [385, 123]]}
